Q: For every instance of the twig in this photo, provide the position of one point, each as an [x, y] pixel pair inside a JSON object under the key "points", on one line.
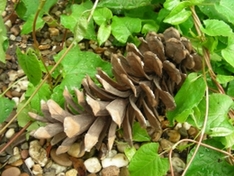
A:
{"points": [[92, 10]]}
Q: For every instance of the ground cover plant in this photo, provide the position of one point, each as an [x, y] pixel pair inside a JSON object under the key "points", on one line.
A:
{"points": [[204, 98]]}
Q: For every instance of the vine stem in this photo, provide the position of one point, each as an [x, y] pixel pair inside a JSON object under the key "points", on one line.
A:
{"points": [[37, 89], [92, 10]]}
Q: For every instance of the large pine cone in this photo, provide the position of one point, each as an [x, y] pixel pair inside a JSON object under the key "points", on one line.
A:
{"points": [[145, 81]]}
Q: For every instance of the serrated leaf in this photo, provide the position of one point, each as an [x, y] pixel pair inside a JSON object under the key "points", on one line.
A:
{"points": [[78, 22], [223, 79], [102, 15], [139, 134], [170, 4], [146, 161], [30, 64], [123, 27], [188, 97], [104, 32], [25, 8], [6, 107], [76, 65], [27, 26], [43, 94], [2, 5], [216, 28], [209, 162], [123, 4], [3, 37], [178, 18], [228, 54]]}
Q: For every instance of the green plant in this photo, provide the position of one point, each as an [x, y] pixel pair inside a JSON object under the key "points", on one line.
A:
{"points": [[205, 100]]}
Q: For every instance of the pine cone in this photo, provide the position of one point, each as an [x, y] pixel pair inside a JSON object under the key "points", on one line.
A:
{"points": [[144, 83]]}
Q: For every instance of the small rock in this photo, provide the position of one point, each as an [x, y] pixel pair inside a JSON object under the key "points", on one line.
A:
{"points": [[12, 37], [186, 125], [165, 144], [37, 170], [119, 160], [58, 168], [72, 172], [38, 153], [62, 159], [93, 165], [24, 154], [124, 171], [121, 146], [14, 158], [15, 30], [8, 23], [110, 171], [54, 31], [10, 132], [24, 174], [24, 146], [17, 163], [174, 135], [29, 162], [44, 47], [12, 171], [178, 164], [74, 150]]}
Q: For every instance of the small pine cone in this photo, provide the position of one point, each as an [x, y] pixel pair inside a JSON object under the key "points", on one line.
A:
{"points": [[143, 87]]}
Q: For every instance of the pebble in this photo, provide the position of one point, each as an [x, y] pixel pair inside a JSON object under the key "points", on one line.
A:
{"points": [[38, 153], [14, 158], [12, 37], [92, 165], [17, 163], [10, 132], [54, 31], [29, 162], [165, 144], [58, 168], [72, 172], [24, 154], [24, 174], [37, 170], [121, 146], [74, 150], [15, 30], [8, 23], [119, 160], [62, 159], [12, 171], [174, 135], [178, 164], [110, 171]]}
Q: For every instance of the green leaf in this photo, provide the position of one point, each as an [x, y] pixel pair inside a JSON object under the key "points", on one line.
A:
{"points": [[123, 4], [216, 28], [123, 27], [76, 65], [78, 23], [150, 26], [43, 94], [27, 26], [189, 96], [228, 54], [177, 18], [25, 8], [139, 134], [6, 108], [3, 38], [104, 32], [102, 15], [230, 89], [209, 162], [2, 5], [170, 4], [146, 161], [130, 152], [223, 79], [30, 64]]}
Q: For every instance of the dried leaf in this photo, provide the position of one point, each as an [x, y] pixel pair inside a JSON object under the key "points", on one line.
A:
{"points": [[132, 48], [70, 101], [149, 94], [58, 138], [127, 127], [143, 47], [117, 110], [66, 144]]}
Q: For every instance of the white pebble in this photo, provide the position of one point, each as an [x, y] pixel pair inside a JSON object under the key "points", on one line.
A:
{"points": [[12, 37], [119, 160], [29, 162], [178, 164], [186, 125], [178, 126], [8, 23], [16, 100], [92, 165], [10, 133]]}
